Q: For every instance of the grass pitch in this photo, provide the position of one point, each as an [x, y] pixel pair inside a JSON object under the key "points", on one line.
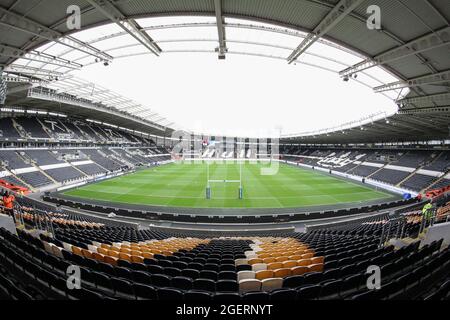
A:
{"points": [[183, 185]]}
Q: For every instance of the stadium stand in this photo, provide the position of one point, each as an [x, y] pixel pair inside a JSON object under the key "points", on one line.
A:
{"points": [[118, 262]]}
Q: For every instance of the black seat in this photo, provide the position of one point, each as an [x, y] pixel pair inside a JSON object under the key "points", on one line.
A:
{"points": [[171, 271], [204, 284], [226, 296], [283, 295], [308, 292], [195, 295], [141, 277], [122, 286], [190, 273], [168, 294], [123, 272], [330, 288], [183, 283], [312, 277], [227, 275], [227, 285], [256, 296], [144, 292], [293, 281], [208, 274], [243, 267], [161, 280]]}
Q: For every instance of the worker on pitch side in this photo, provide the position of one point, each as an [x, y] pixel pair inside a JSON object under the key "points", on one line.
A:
{"points": [[427, 212]]}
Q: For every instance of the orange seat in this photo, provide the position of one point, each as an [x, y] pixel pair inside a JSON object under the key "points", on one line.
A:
{"points": [[316, 260], [269, 260], [289, 264], [254, 261], [102, 251], [137, 259], [125, 250], [318, 267], [264, 274], [105, 246], [125, 256], [298, 271], [147, 255], [307, 255], [97, 256], [281, 273], [274, 265], [295, 257], [77, 251], [282, 258], [114, 249], [113, 253], [110, 260], [263, 255], [304, 262], [86, 253]]}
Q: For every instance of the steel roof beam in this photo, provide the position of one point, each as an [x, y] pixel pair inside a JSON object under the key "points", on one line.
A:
{"points": [[17, 53], [109, 10], [428, 100], [339, 12], [415, 82], [26, 25], [430, 41], [222, 49], [31, 71]]}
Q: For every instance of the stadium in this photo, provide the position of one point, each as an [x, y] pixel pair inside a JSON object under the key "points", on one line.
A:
{"points": [[112, 191]]}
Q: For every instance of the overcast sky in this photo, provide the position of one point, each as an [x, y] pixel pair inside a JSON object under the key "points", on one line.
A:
{"points": [[242, 96]]}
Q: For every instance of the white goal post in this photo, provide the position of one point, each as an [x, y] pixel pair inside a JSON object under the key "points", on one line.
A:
{"points": [[209, 181]]}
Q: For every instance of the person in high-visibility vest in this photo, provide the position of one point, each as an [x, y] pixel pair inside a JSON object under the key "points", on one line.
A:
{"points": [[427, 212]]}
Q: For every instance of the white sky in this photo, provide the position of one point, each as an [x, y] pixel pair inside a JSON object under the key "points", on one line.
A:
{"points": [[241, 96]]}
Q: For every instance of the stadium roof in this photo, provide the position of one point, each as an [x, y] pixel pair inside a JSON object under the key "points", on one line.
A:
{"points": [[37, 50]]}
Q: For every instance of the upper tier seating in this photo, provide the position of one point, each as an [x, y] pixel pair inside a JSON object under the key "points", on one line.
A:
{"points": [[42, 157], [441, 163], [33, 127], [7, 129], [12, 160]]}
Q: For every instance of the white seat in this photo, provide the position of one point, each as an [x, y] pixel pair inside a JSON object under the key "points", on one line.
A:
{"points": [[259, 266], [67, 246], [238, 262], [92, 248], [249, 285], [251, 255], [57, 252], [271, 284], [48, 247], [247, 274]]}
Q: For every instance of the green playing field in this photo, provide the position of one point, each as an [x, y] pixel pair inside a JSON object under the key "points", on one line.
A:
{"points": [[183, 185]]}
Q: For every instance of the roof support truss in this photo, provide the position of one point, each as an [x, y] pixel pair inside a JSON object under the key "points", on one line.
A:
{"points": [[339, 12], [109, 10], [425, 100], [222, 49], [419, 81], [12, 52], [430, 41], [23, 24], [32, 72]]}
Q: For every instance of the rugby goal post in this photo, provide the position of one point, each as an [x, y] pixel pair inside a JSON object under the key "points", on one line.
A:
{"points": [[209, 181]]}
